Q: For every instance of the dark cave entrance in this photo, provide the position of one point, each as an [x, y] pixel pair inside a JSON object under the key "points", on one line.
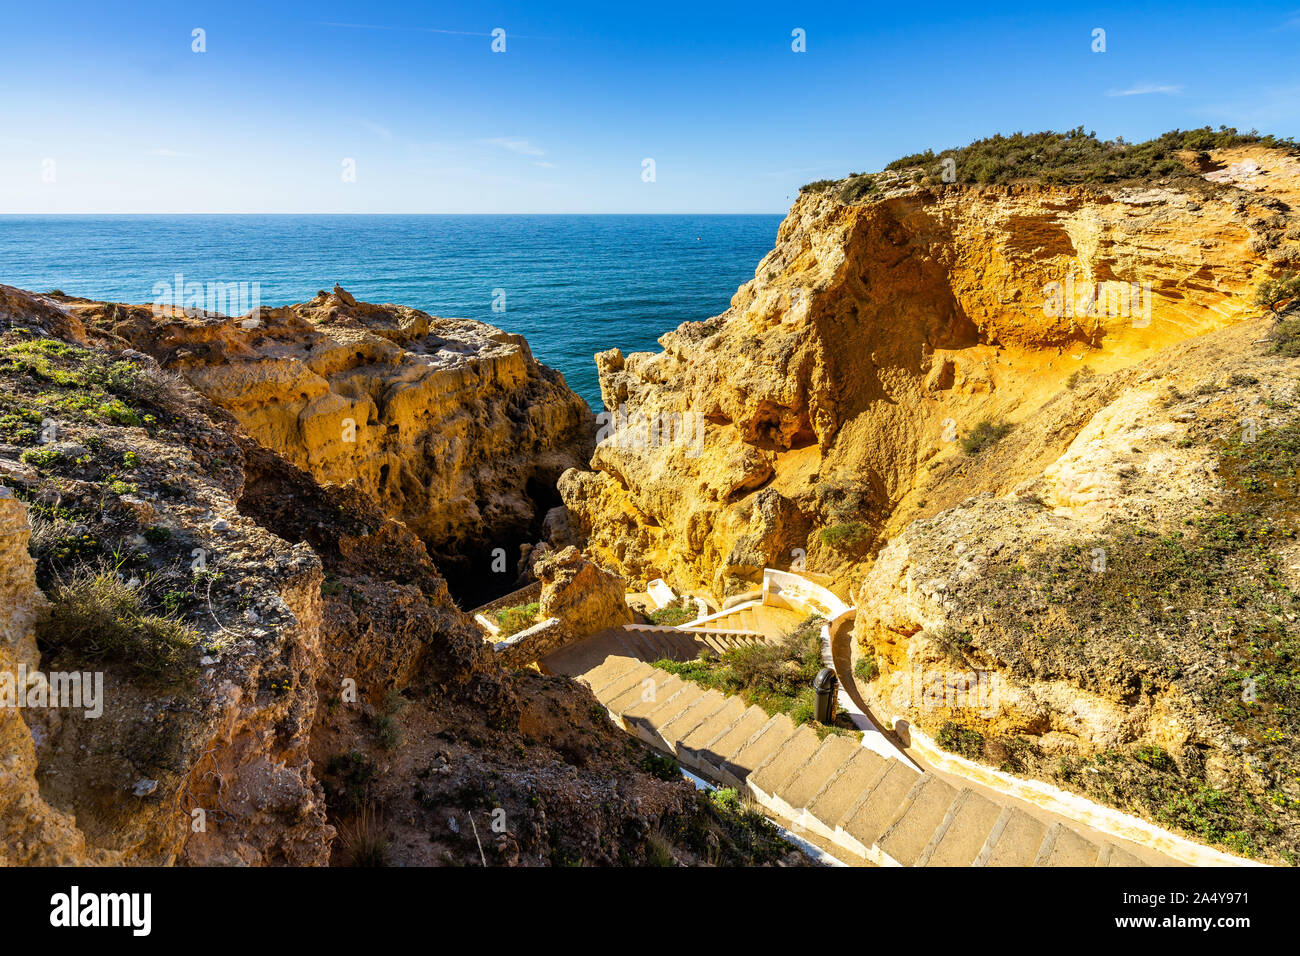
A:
{"points": [[476, 572]]}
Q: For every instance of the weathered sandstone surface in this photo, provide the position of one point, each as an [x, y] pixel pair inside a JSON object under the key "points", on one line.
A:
{"points": [[1101, 594], [451, 425], [287, 679], [877, 334]]}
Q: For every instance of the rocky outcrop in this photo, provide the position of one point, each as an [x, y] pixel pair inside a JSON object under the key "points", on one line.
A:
{"points": [[31, 831], [832, 397], [287, 678], [450, 425], [1123, 622], [580, 593], [202, 626]]}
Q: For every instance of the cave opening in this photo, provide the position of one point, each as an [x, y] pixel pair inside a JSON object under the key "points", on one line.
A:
{"points": [[481, 571]]}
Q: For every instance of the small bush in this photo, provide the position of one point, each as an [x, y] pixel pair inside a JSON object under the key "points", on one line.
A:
{"points": [[366, 839], [866, 668], [512, 620], [97, 615], [673, 615], [661, 767], [984, 435], [1279, 295], [961, 740], [1154, 757], [658, 851], [1079, 376], [1285, 338], [40, 457], [851, 536]]}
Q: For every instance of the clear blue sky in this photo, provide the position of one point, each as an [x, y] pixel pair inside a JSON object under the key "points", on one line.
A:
{"points": [[735, 121]]}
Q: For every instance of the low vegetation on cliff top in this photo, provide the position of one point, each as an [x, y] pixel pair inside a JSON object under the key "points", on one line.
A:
{"points": [[1071, 158]]}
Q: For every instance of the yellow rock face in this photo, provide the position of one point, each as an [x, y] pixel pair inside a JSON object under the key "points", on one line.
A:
{"points": [[451, 425], [31, 831], [832, 396]]}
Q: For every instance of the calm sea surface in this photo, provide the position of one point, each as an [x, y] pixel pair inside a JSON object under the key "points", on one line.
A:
{"points": [[573, 285]]}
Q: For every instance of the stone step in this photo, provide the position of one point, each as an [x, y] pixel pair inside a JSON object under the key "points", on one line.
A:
{"points": [[672, 705], [680, 727], [614, 683], [862, 772], [626, 640], [685, 646], [960, 839], [1065, 847], [713, 644], [665, 688], [1014, 840], [714, 726], [608, 669], [876, 810], [714, 753], [1112, 855], [646, 644], [583, 657], [814, 776], [919, 816], [737, 767], [651, 727], [784, 762], [649, 689]]}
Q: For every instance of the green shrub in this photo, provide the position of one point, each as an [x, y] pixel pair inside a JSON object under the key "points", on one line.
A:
{"points": [[1279, 295], [512, 620], [99, 617], [673, 615], [1154, 757], [1078, 158], [40, 457], [776, 676], [866, 668], [661, 767], [960, 740], [658, 851], [1079, 376], [1074, 157], [851, 536], [1286, 338], [984, 435]]}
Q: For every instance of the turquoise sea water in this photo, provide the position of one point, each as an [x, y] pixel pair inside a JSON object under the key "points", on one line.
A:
{"points": [[574, 285]]}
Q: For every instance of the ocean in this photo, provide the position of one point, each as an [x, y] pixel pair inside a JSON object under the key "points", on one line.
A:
{"points": [[572, 285]]}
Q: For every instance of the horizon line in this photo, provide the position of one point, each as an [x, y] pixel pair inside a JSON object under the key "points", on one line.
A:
{"points": [[4, 215]]}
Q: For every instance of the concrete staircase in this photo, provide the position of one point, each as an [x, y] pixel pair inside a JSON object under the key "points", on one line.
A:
{"points": [[880, 808], [643, 642], [742, 619]]}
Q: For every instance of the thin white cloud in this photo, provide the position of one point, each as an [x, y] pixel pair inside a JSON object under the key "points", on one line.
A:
{"points": [[521, 146], [545, 165], [167, 153], [381, 131], [1146, 89]]}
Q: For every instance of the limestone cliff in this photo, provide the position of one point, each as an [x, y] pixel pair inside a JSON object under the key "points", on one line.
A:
{"points": [[286, 678], [451, 425], [834, 393], [1123, 622], [1042, 439]]}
